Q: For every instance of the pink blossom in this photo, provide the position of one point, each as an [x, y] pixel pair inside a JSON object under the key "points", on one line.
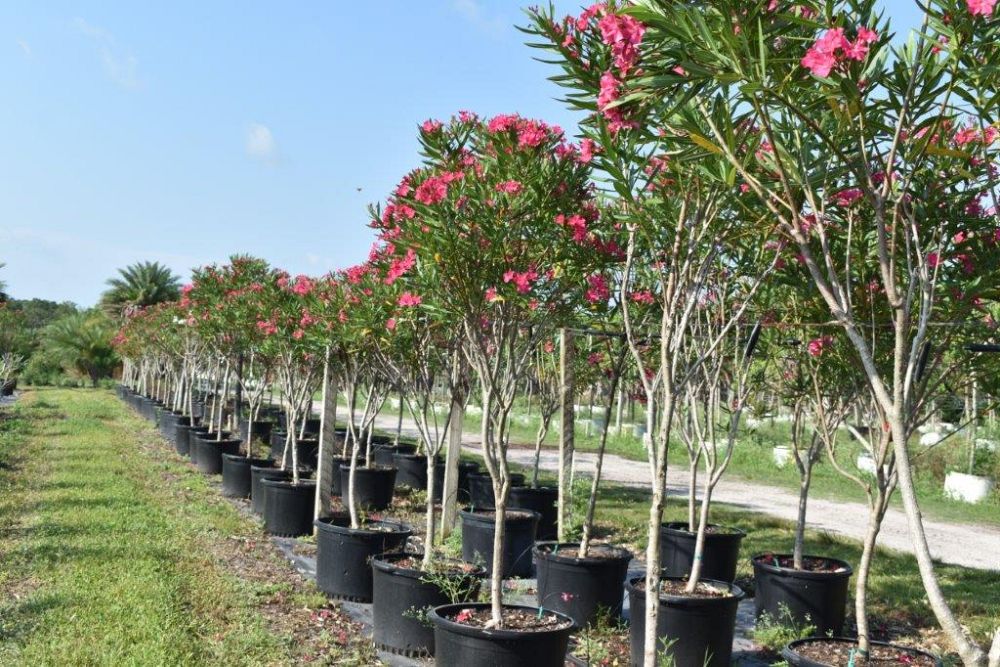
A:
{"points": [[431, 191], [400, 266], [491, 294], [430, 126], [598, 290], [303, 285], [818, 345], [644, 296], [510, 187], [586, 151], [980, 7], [531, 133], [409, 299], [390, 324], [623, 34], [298, 334], [523, 281], [933, 259], [608, 95], [503, 123], [576, 223], [847, 197]]}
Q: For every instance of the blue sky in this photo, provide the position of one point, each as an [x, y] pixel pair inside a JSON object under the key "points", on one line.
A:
{"points": [[186, 131]]}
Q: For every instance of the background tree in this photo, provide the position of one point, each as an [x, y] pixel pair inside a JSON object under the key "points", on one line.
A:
{"points": [[83, 343], [140, 285]]}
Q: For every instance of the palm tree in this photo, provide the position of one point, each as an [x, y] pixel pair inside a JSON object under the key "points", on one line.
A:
{"points": [[3, 287], [82, 341], [140, 285]]}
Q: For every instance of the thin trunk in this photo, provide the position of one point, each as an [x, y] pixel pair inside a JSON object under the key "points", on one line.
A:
{"points": [[692, 493], [450, 495], [429, 510], [588, 521], [543, 429], [327, 428], [500, 489], [800, 522], [566, 443], [699, 542], [399, 422], [863, 572]]}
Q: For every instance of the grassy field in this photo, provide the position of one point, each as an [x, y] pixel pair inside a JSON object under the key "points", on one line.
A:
{"points": [[113, 554], [752, 462]]}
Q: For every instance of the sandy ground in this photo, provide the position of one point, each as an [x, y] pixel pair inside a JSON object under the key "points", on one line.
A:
{"points": [[968, 545]]}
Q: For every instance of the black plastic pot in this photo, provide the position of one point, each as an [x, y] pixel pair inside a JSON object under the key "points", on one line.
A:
{"points": [[308, 452], [465, 468], [383, 453], [542, 500], [168, 420], [412, 473], [236, 474], [343, 554], [288, 507], [192, 433], [401, 598], [277, 442], [210, 453], [584, 589], [468, 646], [373, 487], [175, 434], [261, 430], [257, 475], [182, 437], [719, 557], [802, 597], [481, 488], [693, 631], [519, 538], [791, 655], [336, 462]]}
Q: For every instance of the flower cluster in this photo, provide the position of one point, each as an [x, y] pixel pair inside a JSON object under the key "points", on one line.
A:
{"points": [[833, 48]]}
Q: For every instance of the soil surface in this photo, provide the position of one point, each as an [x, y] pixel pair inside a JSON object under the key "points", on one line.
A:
{"points": [[808, 564], [838, 654], [521, 620], [677, 587], [957, 543]]}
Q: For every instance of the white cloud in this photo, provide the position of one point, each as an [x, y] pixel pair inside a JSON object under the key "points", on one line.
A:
{"points": [[474, 13], [25, 47], [120, 65], [260, 143]]}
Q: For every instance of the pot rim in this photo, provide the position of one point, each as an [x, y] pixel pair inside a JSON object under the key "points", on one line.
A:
{"points": [[383, 562], [323, 523], [224, 441], [802, 574], [372, 470], [242, 457], [469, 631], [475, 516], [287, 483], [681, 600], [789, 649], [623, 553], [271, 469], [730, 531]]}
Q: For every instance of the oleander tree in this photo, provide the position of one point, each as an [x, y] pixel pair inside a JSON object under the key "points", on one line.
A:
{"points": [[685, 227], [502, 213], [871, 160]]}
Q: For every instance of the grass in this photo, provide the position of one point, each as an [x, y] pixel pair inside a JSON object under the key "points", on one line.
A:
{"points": [[752, 462], [113, 554]]}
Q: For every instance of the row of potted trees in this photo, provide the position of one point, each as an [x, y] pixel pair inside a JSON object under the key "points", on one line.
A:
{"points": [[761, 194]]}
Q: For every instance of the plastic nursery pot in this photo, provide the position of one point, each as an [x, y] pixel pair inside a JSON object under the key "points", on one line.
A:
{"points": [[465, 468], [261, 430], [411, 472], [719, 557], [519, 538], [210, 453], [816, 597], [542, 500], [336, 462], [481, 488], [692, 630], [585, 589], [469, 646], [277, 443], [175, 435], [236, 474], [373, 487], [182, 438], [192, 435], [402, 594], [288, 507], [837, 652], [168, 420], [383, 454], [343, 554], [257, 476]]}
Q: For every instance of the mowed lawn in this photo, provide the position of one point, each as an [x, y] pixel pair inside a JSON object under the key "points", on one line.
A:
{"points": [[112, 553]]}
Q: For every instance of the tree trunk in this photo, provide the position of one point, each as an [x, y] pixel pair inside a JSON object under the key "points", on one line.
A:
{"points": [[650, 647], [500, 491], [566, 443], [327, 436], [429, 511], [450, 495], [800, 522]]}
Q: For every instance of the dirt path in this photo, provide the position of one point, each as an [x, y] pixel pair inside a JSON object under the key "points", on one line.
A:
{"points": [[960, 544]]}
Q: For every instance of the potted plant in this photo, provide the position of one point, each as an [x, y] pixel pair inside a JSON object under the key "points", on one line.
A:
{"points": [[484, 216]]}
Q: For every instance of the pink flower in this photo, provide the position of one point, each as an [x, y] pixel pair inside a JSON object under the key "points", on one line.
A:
{"points": [[400, 266], [598, 290], [523, 281], [390, 324], [980, 7], [431, 191], [847, 197], [576, 223], [623, 34], [431, 126], [298, 334], [818, 345], [821, 57], [608, 95], [491, 295], [510, 187], [586, 151], [933, 259], [463, 616], [858, 50], [644, 296], [566, 597], [303, 285], [409, 299], [531, 133]]}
